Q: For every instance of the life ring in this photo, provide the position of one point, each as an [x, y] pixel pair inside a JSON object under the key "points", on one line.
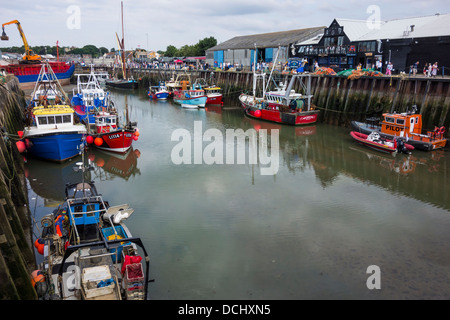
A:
{"points": [[442, 130]]}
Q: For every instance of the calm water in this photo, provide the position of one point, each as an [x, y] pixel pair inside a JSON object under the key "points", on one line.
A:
{"points": [[308, 232]]}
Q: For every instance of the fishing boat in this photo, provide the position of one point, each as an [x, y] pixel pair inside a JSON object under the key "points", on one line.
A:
{"points": [[159, 92], [90, 98], [407, 126], [181, 82], [283, 105], [88, 251], [109, 135], [376, 142], [53, 134], [126, 82], [192, 98], [213, 92]]}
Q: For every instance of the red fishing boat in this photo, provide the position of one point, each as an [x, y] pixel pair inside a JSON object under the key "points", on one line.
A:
{"points": [[376, 142], [283, 105], [109, 136]]}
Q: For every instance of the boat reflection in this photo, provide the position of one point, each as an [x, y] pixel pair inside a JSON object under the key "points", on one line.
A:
{"points": [[108, 165], [48, 179]]}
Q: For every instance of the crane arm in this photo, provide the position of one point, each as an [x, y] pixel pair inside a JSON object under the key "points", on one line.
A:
{"points": [[28, 52]]}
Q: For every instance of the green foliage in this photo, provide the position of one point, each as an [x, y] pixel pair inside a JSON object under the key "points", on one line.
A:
{"points": [[42, 50], [198, 49]]}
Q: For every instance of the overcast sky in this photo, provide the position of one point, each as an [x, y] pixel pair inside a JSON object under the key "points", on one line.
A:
{"points": [[154, 25]]}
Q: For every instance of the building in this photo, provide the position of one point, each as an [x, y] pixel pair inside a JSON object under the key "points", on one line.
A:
{"points": [[241, 50], [345, 44]]}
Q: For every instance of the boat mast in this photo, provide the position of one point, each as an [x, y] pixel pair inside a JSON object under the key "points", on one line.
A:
{"points": [[123, 48]]}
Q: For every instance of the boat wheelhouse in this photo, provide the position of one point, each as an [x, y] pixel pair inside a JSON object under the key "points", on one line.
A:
{"points": [[53, 135]]}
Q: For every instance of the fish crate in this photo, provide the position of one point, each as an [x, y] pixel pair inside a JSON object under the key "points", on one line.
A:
{"points": [[134, 284]]}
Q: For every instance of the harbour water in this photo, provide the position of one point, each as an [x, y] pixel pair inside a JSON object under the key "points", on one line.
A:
{"points": [[310, 231]]}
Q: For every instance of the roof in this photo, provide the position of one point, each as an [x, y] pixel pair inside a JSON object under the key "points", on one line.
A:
{"points": [[269, 40], [426, 26], [355, 29]]}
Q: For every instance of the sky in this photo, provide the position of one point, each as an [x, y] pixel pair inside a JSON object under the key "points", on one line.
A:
{"points": [[154, 25]]}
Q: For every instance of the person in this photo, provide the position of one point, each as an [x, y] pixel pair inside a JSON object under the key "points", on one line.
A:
{"points": [[434, 69], [316, 65], [430, 67], [389, 68], [379, 65], [425, 69], [415, 67]]}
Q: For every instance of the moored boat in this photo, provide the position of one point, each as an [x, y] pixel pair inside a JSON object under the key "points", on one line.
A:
{"points": [[108, 135], [159, 92], [408, 127], [53, 135], [90, 98], [282, 105], [88, 251], [194, 97], [376, 142]]}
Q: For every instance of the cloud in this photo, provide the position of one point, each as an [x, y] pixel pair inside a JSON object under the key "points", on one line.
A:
{"points": [[178, 22]]}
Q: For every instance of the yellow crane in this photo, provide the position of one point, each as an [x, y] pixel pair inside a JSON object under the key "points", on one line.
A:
{"points": [[30, 56]]}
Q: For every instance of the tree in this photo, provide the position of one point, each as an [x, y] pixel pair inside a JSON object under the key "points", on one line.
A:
{"points": [[171, 51], [205, 44]]}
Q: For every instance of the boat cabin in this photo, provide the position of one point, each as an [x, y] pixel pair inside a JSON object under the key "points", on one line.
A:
{"points": [[398, 124], [53, 117], [84, 207], [105, 122]]}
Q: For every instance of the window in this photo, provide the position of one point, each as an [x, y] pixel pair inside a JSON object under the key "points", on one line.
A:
{"points": [[51, 119], [58, 119], [390, 120], [400, 121], [67, 118], [42, 120]]}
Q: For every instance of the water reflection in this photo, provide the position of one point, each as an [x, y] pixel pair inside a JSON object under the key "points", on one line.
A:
{"points": [[109, 165]]}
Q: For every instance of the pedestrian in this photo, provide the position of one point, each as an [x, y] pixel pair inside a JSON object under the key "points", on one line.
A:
{"points": [[389, 68], [430, 67], [415, 67], [434, 69], [425, 69]]}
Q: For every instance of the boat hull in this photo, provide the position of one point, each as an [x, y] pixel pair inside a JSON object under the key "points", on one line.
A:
{"points": [[420, 142], [199, 102], [214, 99], [122, 84], [118, 141], [55, 147], [28, 74], [362, 139]]}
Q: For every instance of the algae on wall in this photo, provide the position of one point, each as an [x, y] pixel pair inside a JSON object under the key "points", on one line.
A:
{"points": [[16, 256]]}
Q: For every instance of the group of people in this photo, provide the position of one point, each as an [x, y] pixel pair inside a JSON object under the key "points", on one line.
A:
{"points": [[429, 70]]}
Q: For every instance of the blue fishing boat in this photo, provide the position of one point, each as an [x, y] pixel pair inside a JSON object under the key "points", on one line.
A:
{"points": [[53, 134], [90, 98], [192, 98], [88, 251], [159, 92]]}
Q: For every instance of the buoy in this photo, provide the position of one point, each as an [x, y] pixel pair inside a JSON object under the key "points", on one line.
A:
{"points": [[38, 242], [89, 139], [98, 141], [135, 138], [37, 276], [20, 134], [136, 132], [21, 146], [91, 157], [258, 113], [100, 162]]}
